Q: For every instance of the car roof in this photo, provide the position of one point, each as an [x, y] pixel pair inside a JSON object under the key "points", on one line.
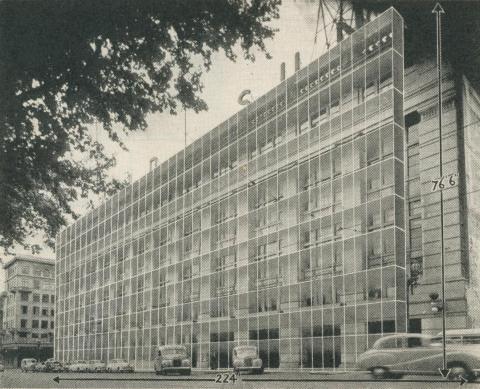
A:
{"points": [[402, 335], [406, 335], [460, 332]]}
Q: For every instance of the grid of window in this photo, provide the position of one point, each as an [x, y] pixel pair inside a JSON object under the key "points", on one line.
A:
{"points": [[283, 227]]}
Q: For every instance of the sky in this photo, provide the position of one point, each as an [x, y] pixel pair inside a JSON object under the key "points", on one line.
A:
{"points": [[224, 82]]}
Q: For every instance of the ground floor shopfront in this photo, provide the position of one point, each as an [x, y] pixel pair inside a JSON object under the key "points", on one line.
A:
{"points": [[12, 354]]}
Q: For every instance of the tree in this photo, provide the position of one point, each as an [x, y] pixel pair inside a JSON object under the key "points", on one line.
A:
{"points": [[67, 64]]}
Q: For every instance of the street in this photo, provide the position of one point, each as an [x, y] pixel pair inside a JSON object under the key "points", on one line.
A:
{"points": [[17, 379]]}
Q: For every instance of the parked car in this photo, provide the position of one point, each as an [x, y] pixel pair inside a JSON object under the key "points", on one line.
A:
{"points": [[465, 336], [28, 364], [399, 354], [52, 365], [96, 366], [40, 367], [120, 365], [78, 366], [245, 358], [173, 358], [2, 367]]}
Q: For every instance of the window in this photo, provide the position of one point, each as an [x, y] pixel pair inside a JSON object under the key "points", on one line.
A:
{"points": [[24, 296], [45, 298], [24, 309], [25, 270], [34, 323], [44, 324], [34, 335], [23, 323], [51, 325], [36, 298], [36, 284], [52, 312], [36, 310], [44, 312]]}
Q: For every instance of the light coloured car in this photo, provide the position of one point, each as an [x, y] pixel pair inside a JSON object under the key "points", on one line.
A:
{"points": [[96, 366], [40, 367], [28, 364], [470, 336], [52, 365], [172, 359], [78, 366], [245, 358], [120, 366], [399, 354]]}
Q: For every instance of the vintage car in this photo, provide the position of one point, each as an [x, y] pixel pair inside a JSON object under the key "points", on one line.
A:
{"points": [[399, 354], [245, 358], [51, 365], [120, 366], [172, 359], [28, 364], [40, 367], [96, 366], [464, 336], [78, 366]]}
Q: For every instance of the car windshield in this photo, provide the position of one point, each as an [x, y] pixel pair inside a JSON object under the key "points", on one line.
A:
{"points": [[118, 361], [173, 351], [247, 352]]}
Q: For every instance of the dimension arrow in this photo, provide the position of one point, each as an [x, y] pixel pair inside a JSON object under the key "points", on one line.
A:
{"points": [[57, 379], [462, 381], [438, 11]]}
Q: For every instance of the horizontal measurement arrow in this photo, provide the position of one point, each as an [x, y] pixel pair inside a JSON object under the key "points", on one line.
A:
{"points": [[342, 380], [58, 379]]}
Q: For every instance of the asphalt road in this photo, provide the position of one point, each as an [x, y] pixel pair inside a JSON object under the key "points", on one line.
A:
{"points": [[17, 379]]}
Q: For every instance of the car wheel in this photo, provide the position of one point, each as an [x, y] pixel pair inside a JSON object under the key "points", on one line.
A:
{"points": [[458, 370], [379, 372]]}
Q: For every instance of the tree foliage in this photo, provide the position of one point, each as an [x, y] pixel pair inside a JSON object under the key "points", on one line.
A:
{"points": [[68, 64]]}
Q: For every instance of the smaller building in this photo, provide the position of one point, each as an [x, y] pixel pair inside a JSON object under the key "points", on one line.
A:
{"points": [[28, 310]]}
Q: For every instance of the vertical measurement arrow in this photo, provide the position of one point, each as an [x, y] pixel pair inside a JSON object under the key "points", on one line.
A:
{"points": [[438, 11]]}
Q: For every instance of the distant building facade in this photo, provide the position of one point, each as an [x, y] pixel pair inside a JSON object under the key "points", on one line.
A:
{"points": [[28, 309], [297, 225]]}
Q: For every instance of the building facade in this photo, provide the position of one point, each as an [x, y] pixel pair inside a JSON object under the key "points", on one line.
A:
{"points": [[296, 225], [29, 309]]}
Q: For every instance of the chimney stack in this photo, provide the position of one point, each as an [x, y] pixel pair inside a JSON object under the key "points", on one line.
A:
{"points": [[282, 71], [297, 61]]}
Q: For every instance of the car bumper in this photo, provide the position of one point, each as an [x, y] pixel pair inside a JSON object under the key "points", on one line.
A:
{"points": [[248, 368], [176, 368]]}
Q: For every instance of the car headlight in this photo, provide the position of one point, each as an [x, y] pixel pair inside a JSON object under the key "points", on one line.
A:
{"points": [[167, 362], [186, 363], [257, 362]]}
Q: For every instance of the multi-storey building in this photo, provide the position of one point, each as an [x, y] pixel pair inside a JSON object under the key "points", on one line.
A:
{"points": [[29, 308], [288, 226]]}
